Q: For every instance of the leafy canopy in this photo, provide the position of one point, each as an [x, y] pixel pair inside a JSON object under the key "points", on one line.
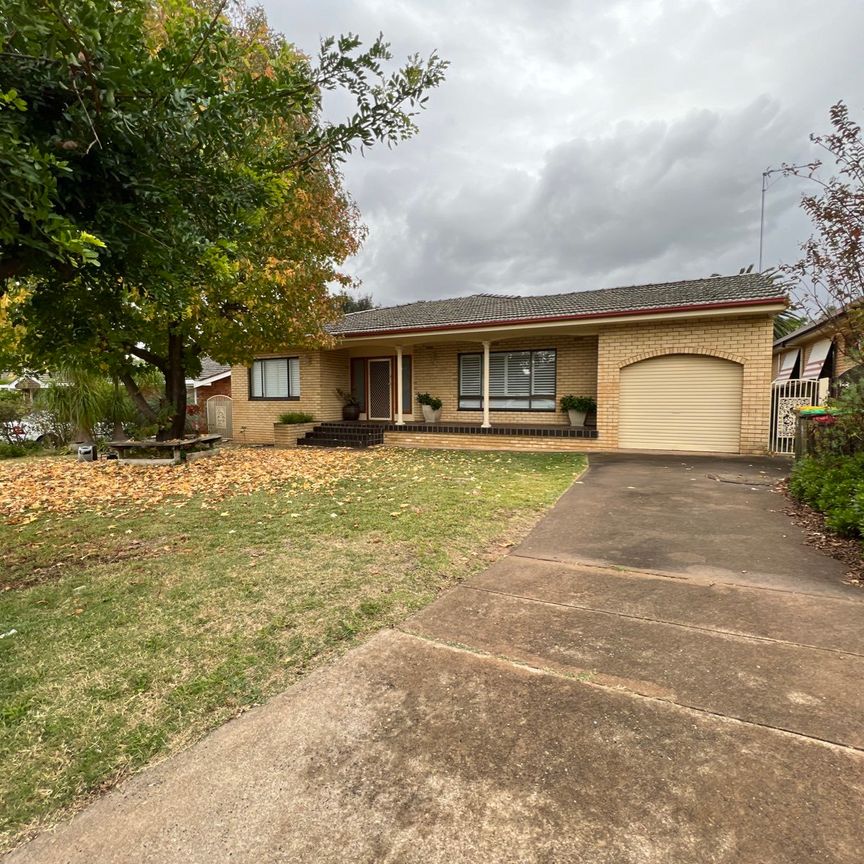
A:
{"points": [[170, 186]]}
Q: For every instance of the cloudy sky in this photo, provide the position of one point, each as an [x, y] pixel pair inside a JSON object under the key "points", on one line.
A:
{"points": [[591, 143]]}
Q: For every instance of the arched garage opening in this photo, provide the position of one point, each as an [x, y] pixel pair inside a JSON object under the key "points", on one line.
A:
{"points": [[681, 402]]}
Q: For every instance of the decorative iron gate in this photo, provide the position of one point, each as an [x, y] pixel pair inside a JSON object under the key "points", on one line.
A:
{"points": [[786, 396], [219, 416]]}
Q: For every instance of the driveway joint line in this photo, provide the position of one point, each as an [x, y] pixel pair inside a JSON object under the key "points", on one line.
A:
{"points": [[460, 647], [662, 574], [663, 621]]}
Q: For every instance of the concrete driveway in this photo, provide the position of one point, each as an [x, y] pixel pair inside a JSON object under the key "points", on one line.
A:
{"points": [[661, 672]]}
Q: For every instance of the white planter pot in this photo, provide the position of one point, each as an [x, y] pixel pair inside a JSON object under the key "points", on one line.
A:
{"points": [[577, 418], [431, 415]]}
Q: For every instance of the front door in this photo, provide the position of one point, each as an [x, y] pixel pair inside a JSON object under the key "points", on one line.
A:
{"points": [[380, 388]]}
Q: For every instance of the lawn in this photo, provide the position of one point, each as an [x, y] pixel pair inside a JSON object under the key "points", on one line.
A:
{"points": [[140, 607]]}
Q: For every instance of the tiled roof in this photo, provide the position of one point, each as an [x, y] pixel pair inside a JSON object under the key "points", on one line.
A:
{"points": [[209, 368], [479, 309]]}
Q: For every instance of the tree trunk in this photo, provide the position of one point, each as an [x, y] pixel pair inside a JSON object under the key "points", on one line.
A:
{"points": [[175, 388]]}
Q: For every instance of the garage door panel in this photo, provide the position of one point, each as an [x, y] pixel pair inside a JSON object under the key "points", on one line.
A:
{"points": [[681, 402]]}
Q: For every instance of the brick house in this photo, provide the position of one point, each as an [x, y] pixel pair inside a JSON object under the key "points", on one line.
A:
{"points": [[214, 380], [683, 366], [821, 351]]}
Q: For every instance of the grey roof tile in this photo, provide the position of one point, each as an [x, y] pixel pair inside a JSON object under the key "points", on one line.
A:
{"points": [[493, 308]]}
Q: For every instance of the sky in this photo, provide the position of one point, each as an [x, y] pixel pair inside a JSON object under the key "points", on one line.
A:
{"points": [[581, 144]]}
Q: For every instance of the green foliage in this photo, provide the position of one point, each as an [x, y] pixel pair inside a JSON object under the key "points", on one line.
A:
{"points": [[834, 485], [14, 451], [13, 408], [170, 188], [432, 401], [578, 403], [788, 322], [347, 397], [292, 417], [845, 434], [349, 303]]}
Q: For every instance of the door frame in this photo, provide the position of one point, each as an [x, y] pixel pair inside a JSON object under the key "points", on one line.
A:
{"points": [[389, 362]]}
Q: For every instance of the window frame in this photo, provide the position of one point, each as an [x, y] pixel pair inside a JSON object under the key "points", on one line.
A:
{"points": [[289, 398], [531, 395]]}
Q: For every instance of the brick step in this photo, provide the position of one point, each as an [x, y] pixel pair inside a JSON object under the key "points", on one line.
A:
{"points": [[362, 439], [334, 442]]}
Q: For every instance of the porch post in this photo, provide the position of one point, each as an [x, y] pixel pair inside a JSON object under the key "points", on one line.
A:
{"points": [[486, 424], [399, 420]]}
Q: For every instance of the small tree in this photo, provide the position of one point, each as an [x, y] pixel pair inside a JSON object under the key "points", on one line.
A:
{"points": [[349, 303], [830, 274]]}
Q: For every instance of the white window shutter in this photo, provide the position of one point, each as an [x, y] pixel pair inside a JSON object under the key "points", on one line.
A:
{"points": [[294, 376], [471, 375], [257, 391], [543, 373]]}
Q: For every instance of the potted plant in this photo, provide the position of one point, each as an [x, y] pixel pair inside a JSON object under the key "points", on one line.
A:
{"points": [[577, 407], [350, 405], [431, 406]]}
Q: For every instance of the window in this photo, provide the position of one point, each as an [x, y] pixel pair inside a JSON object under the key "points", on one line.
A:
{"points": [[518, 381], [278, 378]]}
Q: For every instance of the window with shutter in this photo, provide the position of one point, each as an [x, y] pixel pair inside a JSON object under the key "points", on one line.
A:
{"points": [[275, 378], [518, 381], [470, 381]]}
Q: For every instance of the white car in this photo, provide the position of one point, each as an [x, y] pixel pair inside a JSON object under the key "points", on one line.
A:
{"points": [[29, 429]]}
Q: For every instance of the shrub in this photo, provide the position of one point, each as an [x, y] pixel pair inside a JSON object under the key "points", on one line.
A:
{"points": [[432, 401], [578, 403], [14, 451], [834, 485], [292, 417]]}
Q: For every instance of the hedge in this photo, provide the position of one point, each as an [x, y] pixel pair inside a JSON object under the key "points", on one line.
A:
{"points": [[834, 485]]}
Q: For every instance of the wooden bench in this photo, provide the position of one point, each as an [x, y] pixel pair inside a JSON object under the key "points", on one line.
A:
{"points": [[179, 448]]}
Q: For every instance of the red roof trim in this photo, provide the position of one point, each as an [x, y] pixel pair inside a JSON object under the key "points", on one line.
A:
{"points": [[475, 325]]}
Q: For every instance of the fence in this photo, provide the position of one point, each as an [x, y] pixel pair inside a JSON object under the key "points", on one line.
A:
{"points": [[786, 396]]}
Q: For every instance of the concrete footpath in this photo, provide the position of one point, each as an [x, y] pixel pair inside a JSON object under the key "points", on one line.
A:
{"points": [[668, 676]]}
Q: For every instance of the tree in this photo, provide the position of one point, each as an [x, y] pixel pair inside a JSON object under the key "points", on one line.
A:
{"points": [[788, 322], [349, 303], [173, 189], [830, 274]]}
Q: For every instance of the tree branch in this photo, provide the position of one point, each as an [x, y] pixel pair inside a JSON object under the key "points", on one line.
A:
{"points": [[137, 396], [148, 357]]}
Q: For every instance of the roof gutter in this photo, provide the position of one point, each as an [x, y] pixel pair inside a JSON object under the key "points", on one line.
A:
{"points": [[547, 319]]}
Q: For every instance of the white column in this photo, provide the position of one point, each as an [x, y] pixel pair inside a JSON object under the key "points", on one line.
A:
{"points": [[486, 424], [399, 420]]}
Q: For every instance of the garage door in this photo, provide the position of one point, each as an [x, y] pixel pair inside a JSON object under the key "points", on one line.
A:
{"points": [[681, 402]]}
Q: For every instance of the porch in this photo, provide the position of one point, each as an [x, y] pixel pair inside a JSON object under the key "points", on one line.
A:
{"points": [[462, 435]]}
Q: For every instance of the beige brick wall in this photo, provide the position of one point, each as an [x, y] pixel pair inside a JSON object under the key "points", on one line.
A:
{"points": [[746, 340], [436, 372], [320, 374], [586, 365]]}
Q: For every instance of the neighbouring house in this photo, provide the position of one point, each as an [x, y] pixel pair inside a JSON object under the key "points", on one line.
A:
{"points": [[214, 381], [815, 352], [682, 366]]}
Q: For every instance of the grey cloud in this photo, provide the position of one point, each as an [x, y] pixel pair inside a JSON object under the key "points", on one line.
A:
{"points": [[579, 145]]}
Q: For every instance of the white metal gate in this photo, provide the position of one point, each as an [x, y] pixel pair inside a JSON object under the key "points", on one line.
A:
{"points": [[786, 396], [219, 415]]}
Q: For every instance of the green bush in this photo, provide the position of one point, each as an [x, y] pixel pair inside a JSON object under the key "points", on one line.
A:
{"points": [[834, 485], [13, 451], [292, 417], [432, 401], [578, 403]]}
